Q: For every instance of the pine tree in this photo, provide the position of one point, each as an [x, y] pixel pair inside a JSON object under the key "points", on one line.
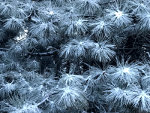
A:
{"points": [[74, 56]]}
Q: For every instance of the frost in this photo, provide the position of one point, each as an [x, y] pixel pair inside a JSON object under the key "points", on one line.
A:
{"points": [[141, 99], [103, 51], [6, 9], [57, 56], [71, 80], [145, 20], [102, 28], [88, 6], [139, 6], [118, 15], [76, 48], [70, 97], [43, 29], [20, 105], [118, 95], [125, 72], [14, 24], [77, 27]]}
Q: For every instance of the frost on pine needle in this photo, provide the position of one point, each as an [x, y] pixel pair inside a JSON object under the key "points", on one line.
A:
{"points": [[46, 41], [14, 24], [16, 10], [119, 15], [7, 88], [118, 95], [20, 104], [103, 51], [48, 11], [53, 108], [43, 29], [9, 83], [125, 72], [28, 6], [76, 48], [30, 43], [102, 28], [93, 78], [34, 81], [20, 13], [71, 80], [145, 80], [81, 32], [88, 7], [144, 20], [11, 65], [6, 9], [141, 99], [33, 65], [69, 98], [76, 27], [139, 6], [62, 2], [16, 51]]}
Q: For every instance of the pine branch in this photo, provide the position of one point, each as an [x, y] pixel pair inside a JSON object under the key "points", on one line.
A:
{"points": [[42, 54], [4, 49], [128, 48]]}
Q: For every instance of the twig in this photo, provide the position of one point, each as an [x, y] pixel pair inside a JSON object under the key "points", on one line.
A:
{"points": [[42, 54], [43, 101], [4, 49], [128, 48]]}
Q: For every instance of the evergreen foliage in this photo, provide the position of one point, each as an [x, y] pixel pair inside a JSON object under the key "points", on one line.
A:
{"points": [[74, 56]]}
